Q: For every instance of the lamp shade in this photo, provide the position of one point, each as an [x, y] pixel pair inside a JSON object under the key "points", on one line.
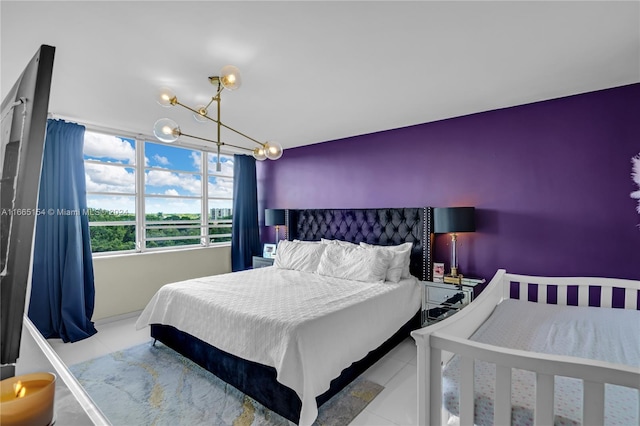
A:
{"points": [[454, 219], [230, 77], [274, 217], [259, 154], [273, 150], [166, 130]]}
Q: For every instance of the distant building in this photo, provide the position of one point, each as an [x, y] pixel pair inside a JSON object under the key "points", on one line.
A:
{"points": [[216, 214]]}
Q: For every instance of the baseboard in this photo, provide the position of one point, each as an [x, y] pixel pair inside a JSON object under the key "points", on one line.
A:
{"points": [[115, 318]]}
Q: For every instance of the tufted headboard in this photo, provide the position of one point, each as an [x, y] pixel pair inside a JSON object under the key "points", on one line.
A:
{"points": [[385, 227]]}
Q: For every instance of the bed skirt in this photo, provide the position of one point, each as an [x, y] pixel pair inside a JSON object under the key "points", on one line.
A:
{"points": [[259, 381]]}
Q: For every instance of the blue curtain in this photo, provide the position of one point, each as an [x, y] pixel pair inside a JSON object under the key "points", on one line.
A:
{"points": [[245, 234], [62, 285]]}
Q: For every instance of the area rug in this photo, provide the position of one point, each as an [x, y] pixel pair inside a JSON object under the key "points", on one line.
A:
{"points": [[154, 385]]}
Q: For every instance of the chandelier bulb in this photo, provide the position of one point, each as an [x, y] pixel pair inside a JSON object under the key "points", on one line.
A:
{"points": [[166, 97], [273, 150], [259, 154], [166, 130], [200, 115], [230, 77]]}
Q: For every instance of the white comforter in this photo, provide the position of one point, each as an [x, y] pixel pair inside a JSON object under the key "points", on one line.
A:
{"points": [[309, 327]]}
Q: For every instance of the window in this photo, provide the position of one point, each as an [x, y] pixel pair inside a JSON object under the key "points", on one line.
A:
{"points": [[110, 174], [146, 195], [220, 198], [172, 196]]}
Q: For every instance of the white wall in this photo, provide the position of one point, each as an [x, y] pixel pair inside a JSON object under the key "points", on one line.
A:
{"points": [[126, 283]]}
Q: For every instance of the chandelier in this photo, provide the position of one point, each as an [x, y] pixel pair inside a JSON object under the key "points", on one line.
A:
{"points": [[167, 130]]}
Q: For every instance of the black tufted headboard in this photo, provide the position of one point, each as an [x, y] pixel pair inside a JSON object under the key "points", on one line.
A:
{"points": [[389, 226]]}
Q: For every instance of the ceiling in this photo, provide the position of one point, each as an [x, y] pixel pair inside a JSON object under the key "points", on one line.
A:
{"points": [[318, 71]]}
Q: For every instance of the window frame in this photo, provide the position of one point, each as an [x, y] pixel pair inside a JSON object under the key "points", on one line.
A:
{"points": [[141, 224]]}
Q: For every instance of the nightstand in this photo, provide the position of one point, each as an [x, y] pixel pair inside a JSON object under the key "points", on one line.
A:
{"points": [[441, 300], [261, 262]]}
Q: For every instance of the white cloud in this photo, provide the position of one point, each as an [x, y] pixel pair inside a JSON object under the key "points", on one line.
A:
{"points": [[223, 187], [189, 183], [105, 178], [197, 159], [111, 178], [115, 203], [106, 146], [161, 160], [172, 205]]}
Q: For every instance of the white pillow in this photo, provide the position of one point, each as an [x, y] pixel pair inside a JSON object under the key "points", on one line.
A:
{"points": [[299, 256], [306, 242], [401, 258], [338, 242], [354, 263]]}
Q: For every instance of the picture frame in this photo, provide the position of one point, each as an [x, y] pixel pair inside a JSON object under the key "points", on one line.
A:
{"points": [[269, 251], [438, 272]]}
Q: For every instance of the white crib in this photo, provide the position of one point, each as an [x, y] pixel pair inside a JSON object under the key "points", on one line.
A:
{"points": [[438, 343]]}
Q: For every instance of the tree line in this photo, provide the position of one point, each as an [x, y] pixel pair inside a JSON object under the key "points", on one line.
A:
{"points": [[123, 237]]}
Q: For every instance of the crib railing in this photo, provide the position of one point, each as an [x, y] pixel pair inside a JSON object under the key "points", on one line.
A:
{"points": [[576, 291], [595, 374], [439, 342]]}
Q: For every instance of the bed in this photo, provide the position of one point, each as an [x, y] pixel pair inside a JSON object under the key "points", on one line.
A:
{"points": [[292, 367], [535, 350]]}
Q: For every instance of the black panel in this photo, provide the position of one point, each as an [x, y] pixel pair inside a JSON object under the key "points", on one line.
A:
{"points": [[23, 129]]}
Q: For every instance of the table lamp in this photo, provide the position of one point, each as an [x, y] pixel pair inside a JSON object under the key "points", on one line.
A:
{"points": [[453, 220], [274, 217]]}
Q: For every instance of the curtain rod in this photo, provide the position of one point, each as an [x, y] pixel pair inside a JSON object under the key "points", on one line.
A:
{"points": [[136, 135], [100, 128]]}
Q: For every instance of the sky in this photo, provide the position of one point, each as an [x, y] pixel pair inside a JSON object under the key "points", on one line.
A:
{"points": [[170, 172]]}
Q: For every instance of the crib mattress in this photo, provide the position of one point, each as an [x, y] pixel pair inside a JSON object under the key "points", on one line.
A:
{"points": [[603, 334]]}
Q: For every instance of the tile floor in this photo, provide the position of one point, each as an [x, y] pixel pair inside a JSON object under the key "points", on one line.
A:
{"points": [[394, 406]]}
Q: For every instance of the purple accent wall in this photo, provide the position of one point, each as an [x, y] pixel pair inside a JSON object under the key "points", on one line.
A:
{"points": [[552, 294], [617, 297], [532, 293], [595, 295], [514, 290], [551, 182]]}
